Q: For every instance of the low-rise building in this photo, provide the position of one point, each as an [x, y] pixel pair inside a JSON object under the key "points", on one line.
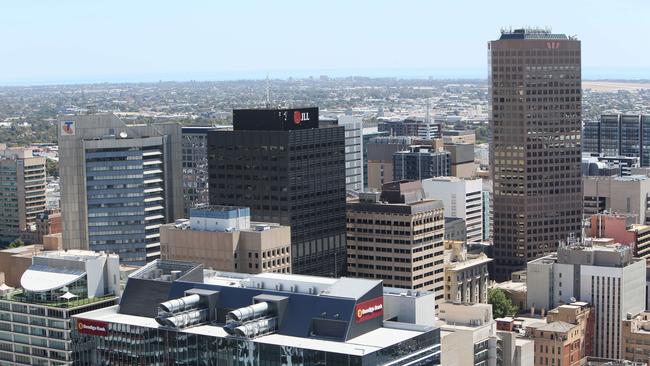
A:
{"points": [[174, 312], [566, 337], [466, 275], [608, 277], [223, 238], [627, 195], [15, 261], [468, 334], [35, 320], [636, 337], [622, 229]]}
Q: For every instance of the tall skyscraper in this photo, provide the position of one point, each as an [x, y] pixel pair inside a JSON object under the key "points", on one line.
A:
{"points": [[119, 183], [195, 166], [535, 122], [353, 149], [619, 135], [22, 191], [288, 170]]}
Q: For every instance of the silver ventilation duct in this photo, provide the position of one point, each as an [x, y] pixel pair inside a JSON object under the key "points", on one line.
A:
{"points": [[178, 305], [250, 312], [256, 328], [184, 319]]}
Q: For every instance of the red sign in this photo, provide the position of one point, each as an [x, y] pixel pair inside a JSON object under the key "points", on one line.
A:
{"points": [[369, 310], [92, 327], [553, 45], [297, 117]]}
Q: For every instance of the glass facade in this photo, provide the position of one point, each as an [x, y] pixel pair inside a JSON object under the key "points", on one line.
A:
{"points": [[619, 135], [294, 178], [125, 201], [418, 165], [36, 334], [195, 167], [134, 345]]}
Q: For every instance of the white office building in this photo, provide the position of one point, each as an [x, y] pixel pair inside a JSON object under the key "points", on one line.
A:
{"points": [[608, 277], [468, 335], [36, 320], [462, 198]]}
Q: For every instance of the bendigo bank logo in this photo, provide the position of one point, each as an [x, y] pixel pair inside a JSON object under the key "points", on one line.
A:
{"points": [[92, 327], [300, 117], [369, 309], [67, 127]]}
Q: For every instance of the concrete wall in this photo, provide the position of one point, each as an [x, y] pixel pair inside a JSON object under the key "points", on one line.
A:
{"points": [[229, 251]]}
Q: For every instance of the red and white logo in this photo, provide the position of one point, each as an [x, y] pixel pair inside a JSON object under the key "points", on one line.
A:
{"points": [[92, 327], [67, 128], [300, 117], [553, 45], [369, 310]]}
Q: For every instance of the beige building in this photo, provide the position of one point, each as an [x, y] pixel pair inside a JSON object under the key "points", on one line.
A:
{"points": [[224, 239], [636, 337], [397, 236], [625, 195], [15, 261], [466, 275], [459, 137], [515, 289], [22, 192], [468, 335], [566, 336], [380, 156]]}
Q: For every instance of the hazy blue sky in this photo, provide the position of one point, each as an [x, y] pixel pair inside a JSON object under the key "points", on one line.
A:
{"points": [[136, 40]]}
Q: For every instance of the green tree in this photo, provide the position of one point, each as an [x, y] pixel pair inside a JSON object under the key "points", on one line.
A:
{"points": [[16, 243], [501, 305], [52, 167]]}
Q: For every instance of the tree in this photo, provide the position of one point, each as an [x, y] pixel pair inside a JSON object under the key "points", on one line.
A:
{"points": [[52, 167], [16, 243], [501, 305]]}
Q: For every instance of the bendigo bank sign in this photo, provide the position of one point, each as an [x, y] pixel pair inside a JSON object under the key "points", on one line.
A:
{"points": [[369, 309], [92, 327]]}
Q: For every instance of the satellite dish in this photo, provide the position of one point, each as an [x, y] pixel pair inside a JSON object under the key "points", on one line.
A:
{"points": [[123, 134], [573, 299]]}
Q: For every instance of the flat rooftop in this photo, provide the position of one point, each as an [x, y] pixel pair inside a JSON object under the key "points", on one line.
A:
{"points": [[343, 287], [73, 254], [367, 343]]}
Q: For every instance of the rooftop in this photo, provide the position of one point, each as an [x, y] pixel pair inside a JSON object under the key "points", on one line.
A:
{"points": [[532, 33], [367, 343], [343, 287], [558, 327]]}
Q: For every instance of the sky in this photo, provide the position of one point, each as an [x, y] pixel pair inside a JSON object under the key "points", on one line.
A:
{"points": [[47, 42]]}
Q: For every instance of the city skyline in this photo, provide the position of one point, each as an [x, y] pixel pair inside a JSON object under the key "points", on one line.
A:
{"points": [[145, 42]]}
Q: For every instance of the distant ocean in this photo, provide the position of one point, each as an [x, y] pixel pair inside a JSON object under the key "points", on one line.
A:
{"points": [[439, 73]]}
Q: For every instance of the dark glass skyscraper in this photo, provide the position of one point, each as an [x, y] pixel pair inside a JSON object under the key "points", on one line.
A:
{"points": [[287, 170], [619, 135], [535, 157]]}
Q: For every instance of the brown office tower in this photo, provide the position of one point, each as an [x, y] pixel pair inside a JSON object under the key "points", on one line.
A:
{"points": [[397, 236], [534, 81]]}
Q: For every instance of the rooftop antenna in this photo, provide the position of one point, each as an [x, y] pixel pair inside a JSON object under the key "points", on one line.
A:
{"points": [[268, 92]]}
